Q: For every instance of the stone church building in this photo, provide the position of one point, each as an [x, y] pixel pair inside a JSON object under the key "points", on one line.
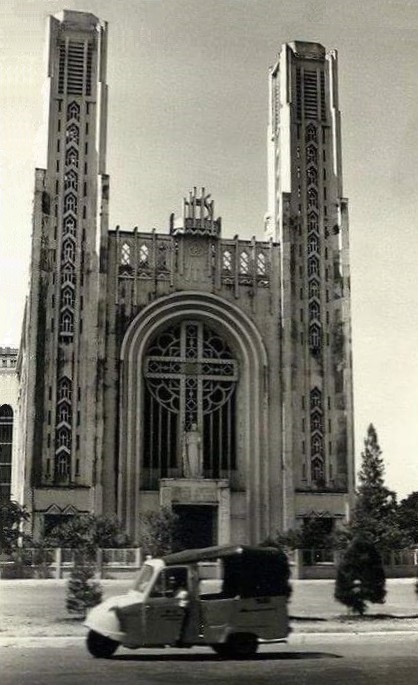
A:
{"points": [[186, 369]]}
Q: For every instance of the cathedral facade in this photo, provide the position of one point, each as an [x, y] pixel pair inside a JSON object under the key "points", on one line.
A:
{"points": [[187, 370]]}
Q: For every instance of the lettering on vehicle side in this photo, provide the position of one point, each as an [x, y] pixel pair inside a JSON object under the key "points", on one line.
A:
{"points": [[171, 613], [255, 611]]}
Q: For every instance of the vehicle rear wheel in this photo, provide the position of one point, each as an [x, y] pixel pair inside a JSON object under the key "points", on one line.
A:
{"points": [[237, 646], [100, 646]]}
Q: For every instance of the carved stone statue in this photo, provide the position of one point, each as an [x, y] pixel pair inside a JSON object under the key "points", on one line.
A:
{"points": [[192, 453]]}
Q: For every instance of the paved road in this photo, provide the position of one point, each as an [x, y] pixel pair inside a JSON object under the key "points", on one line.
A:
{"points": [[305, 660]]}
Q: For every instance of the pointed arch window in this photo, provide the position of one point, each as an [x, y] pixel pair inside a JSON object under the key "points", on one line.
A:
{"points": [[312, 175], [62, 466], [67, 323], [70, 203], [73, 134], [311, 133], [312, 222], [318, 470], [313, 266], [73, 111], [316, 421], [68, 250], [67, 297], [64, 413], [314, 290], [312, 197], [311, 154], [68, 274], [64, 437], [316, 398], [71, 180], [71, 157], [313, 244], [314, 311], [317, 445], [65, 389], [314, 337]]}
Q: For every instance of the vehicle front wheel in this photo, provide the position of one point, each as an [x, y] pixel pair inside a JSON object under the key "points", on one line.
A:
{"points": [[100, 646], [237, 646]]}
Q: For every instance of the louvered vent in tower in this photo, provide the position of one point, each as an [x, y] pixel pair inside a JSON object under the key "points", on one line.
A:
{"points": [[323, 110], [61, 68], [310, 94], [75, 68], [298, 94], [88, 70]]}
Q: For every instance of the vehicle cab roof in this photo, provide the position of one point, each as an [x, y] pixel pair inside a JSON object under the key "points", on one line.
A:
{"points": [[188, 556]]}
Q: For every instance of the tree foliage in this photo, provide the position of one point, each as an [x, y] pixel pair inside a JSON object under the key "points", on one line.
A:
{"points": [[375, 512], [12, 516], [159, 532], [314, 533], [408, 517], [360, 576], [89, 533]]}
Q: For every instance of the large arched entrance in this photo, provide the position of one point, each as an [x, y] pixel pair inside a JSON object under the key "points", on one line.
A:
{"points": [[193, 418]]}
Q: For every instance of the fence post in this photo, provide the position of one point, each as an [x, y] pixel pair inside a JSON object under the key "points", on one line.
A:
{"points": [[99, 563], [298, 567], [138, 557], [58, 563]]}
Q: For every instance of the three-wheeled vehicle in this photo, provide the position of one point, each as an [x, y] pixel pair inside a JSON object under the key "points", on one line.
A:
{"points": [[228, 598]]}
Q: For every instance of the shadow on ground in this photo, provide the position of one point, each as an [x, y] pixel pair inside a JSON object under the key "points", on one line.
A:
{"points": [[353, 617], [376, 617], [263, 656]]}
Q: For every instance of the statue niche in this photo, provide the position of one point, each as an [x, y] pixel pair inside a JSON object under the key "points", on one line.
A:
{"points": [[192, 453]]}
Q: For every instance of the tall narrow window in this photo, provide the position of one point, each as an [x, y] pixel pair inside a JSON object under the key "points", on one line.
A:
{"points": [[6, 443], [227, 261], [125, 258], [244, 263]]}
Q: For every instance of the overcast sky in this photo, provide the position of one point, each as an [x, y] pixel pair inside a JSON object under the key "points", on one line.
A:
{"points": [[188, 106]]}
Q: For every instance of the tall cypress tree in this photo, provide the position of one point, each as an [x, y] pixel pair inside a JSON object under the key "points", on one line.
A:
{"points": [[375, 511]]}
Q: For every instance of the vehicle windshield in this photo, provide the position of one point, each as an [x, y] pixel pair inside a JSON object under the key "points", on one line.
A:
{"points": [[143, 578]]}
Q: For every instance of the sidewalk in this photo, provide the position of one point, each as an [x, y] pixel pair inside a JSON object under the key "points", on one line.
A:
{"points": [[36, 609]]}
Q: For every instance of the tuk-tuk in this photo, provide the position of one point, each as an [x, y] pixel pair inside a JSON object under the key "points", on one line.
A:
{"points": [[228, 598]]}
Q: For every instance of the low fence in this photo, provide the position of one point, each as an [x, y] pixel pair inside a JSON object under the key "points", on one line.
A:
{"points": [[308, 564], [311, 564], [57, 563]]}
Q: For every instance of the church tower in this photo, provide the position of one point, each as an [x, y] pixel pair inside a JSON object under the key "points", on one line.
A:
{"points": [[308, 214], [61, 331]]}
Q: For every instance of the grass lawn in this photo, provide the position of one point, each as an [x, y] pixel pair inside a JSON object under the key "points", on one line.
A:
{"points": [[37, 608]]}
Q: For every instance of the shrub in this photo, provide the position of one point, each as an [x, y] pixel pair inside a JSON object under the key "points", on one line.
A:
{"points": [[82, 592], [360, 576], [12, 517], [88, 532]]}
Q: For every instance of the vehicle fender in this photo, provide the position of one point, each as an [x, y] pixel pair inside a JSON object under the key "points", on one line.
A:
{"points": [[103, 619]]}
